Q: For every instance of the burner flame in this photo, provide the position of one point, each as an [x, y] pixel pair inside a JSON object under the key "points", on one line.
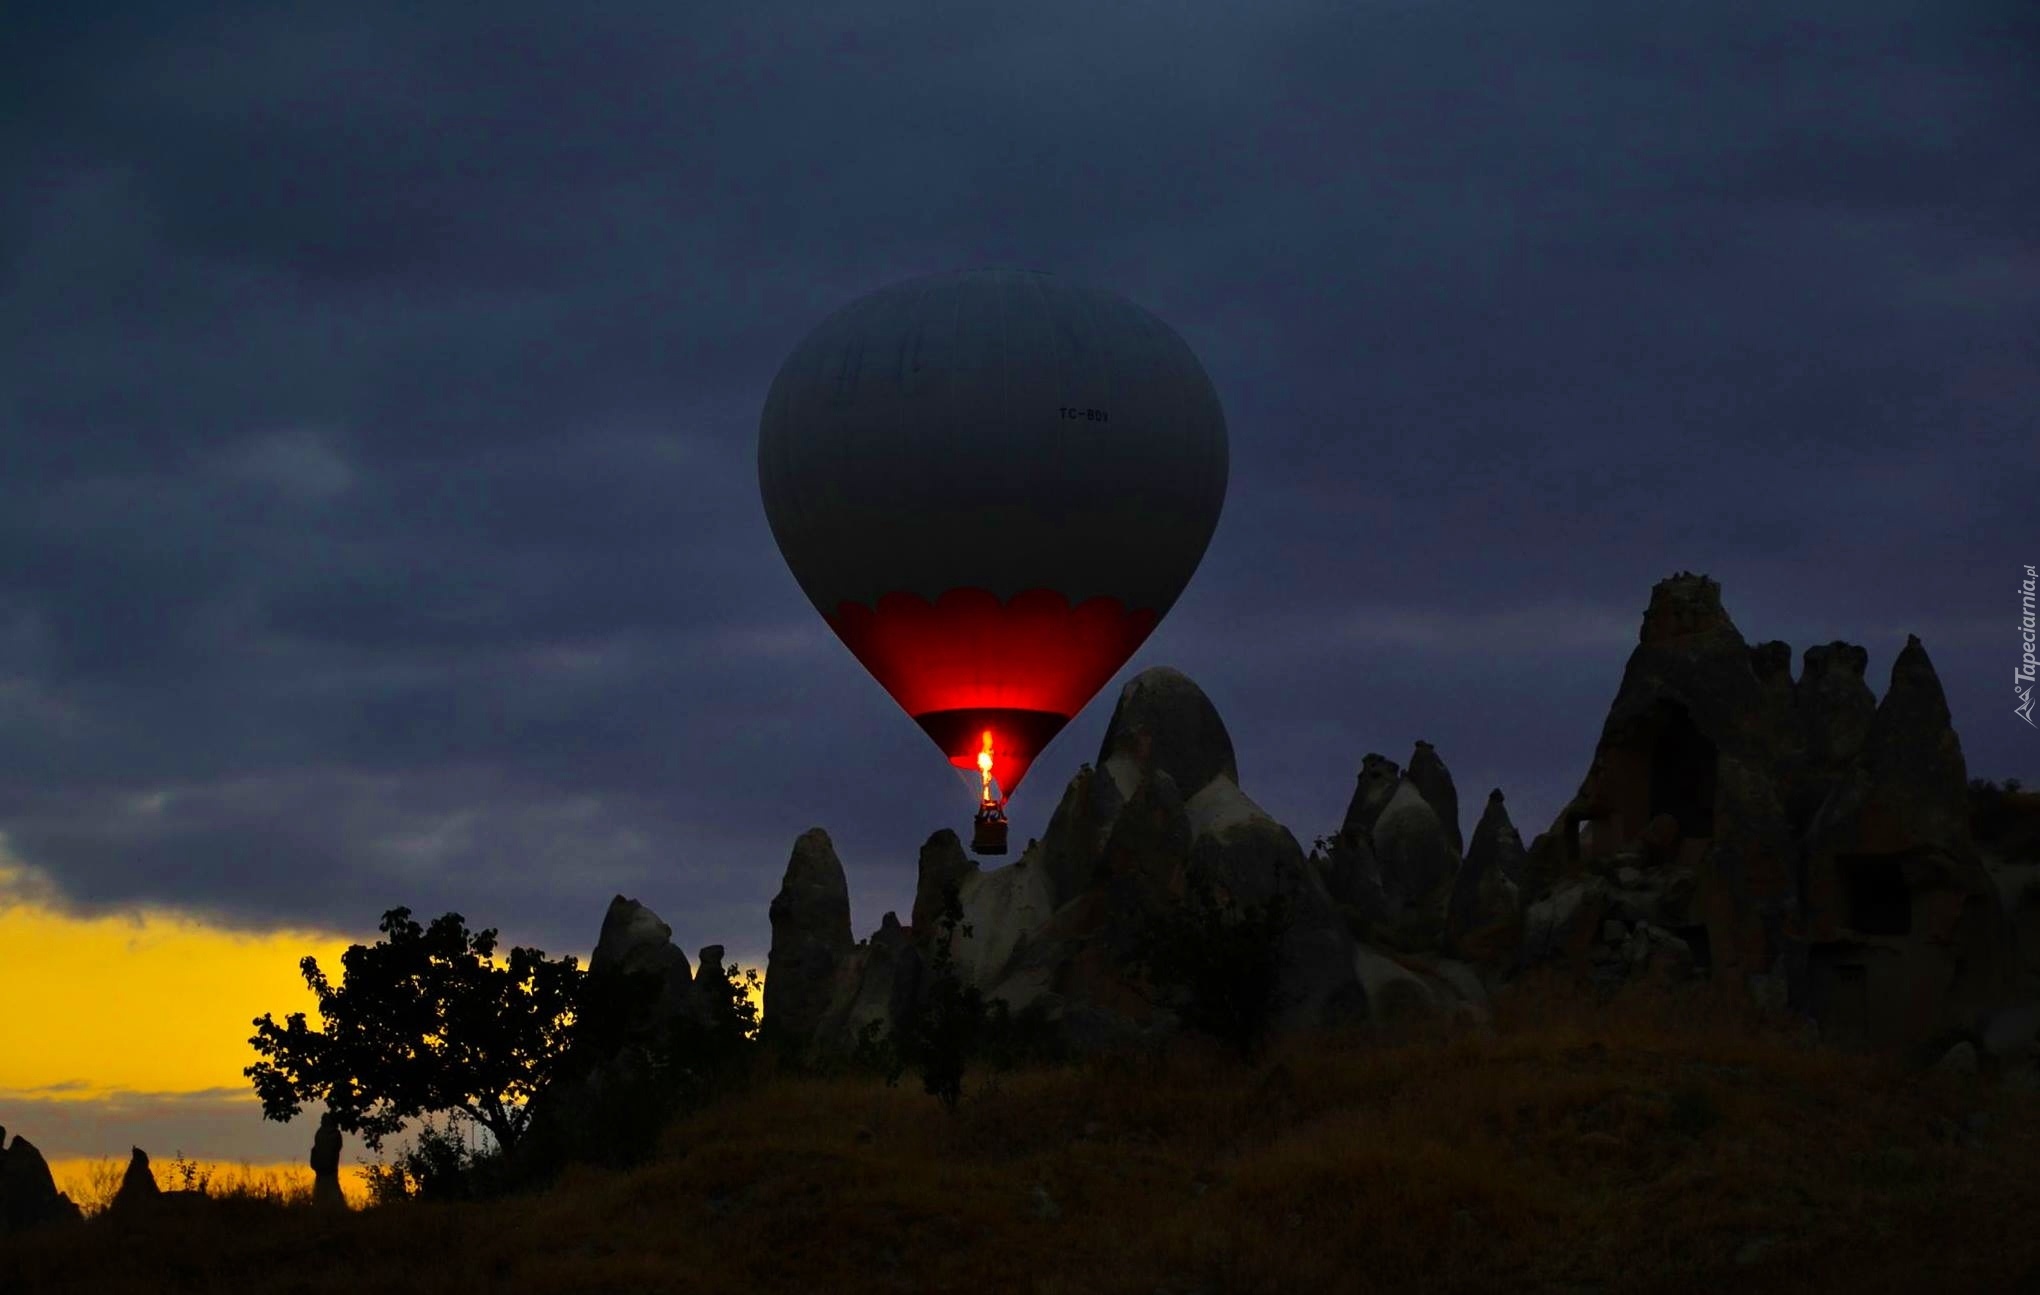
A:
{"points": [[986, 793]]}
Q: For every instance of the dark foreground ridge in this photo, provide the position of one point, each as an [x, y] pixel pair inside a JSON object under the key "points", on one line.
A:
{"points": [[1636, 1146]]}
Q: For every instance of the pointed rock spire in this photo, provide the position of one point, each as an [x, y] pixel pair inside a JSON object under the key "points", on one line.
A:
{"points": [[1378, 779], [1914, 757], [1483, 914], [943, 863], [1834, 704], [810, 936], [1076, 831], [1434, 782], [138, 1184], [1496, 844]]}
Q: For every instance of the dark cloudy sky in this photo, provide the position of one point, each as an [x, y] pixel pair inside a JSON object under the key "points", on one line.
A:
{"points": [[379, 388]]}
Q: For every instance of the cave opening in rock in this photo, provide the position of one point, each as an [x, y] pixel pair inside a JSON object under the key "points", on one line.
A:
{"points": [[1875, 897], [1682, 771]]}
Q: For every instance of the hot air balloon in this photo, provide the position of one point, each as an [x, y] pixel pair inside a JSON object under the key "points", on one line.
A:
{"points": [[992, 484]]}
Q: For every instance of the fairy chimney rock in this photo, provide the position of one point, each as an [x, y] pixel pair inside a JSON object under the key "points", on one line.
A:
{"points": [[1684, 605], [1434, 782], [1379, 776], [810, 936], [942, 864], [1164, 721]]}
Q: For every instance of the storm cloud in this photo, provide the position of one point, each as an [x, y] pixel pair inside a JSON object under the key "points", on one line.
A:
{"points": [[378, 501]]}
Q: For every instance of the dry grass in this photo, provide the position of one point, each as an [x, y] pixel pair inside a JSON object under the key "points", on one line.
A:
{"points": [[1655, 1145], [92, 1183]]}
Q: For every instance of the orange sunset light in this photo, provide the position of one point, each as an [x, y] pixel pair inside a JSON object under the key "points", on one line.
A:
{"points": [[140, 1024], [147, 1001]]}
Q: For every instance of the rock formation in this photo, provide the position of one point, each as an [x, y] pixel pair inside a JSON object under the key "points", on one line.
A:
{"points": [[636, 949], [1352, 876], [138, 1184], [810, 937], [634, 941], [1068, 851], [878, 983], [1802, 840], [1184, 819], [1686, 777], [1427, 773], [1798, 842], [1907, 936], [1416, 860], [639, 1004], [1377, 782], [1053, 933], [709, 972], [942, 864], [1164, 721], [1257, 859], [1001, 907], [1067, 957], [1834, 706], [1496, 844], [326, 1193], [28, 1192], [1483, 916], [1771, 663]]}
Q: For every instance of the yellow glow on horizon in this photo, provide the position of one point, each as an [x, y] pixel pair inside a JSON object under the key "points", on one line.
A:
{"points": [[125, 1008], [88, 1181], [156, 1001]]}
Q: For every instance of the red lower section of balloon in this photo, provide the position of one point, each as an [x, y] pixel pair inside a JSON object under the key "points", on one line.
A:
{"points": [[967, 663], [1017, 737]]}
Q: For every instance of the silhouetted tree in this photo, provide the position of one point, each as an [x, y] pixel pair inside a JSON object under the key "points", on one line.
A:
{"points": [[733, 1016], [441, 1164], [424, 1021]]}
